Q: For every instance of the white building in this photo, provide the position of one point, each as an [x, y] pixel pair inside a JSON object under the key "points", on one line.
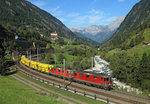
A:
{"points": [[54, 36]]}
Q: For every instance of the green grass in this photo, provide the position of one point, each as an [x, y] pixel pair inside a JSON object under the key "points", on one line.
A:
{"points": [[68, 40], [139, 49], [76, 96], [68, 57], [13, 91], [113, 52], [147, 35]]}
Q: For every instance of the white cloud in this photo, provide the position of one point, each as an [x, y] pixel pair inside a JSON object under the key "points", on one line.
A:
{"points": [[56, 12], [79, 19], [91, 17], [55, 9], [95, 12], [95, 19], [73, 15], [95, 16]]}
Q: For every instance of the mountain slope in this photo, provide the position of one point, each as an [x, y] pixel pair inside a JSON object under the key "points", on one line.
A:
{"points": [[85, 39], [128, 51], [139, 14], [99, 33], [137, 43], [131, 62], [21, 12]]}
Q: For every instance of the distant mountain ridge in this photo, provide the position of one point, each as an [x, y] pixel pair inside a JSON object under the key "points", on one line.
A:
{"points": [[98, 33], [139, 14], [135, 19], [22, 12]]}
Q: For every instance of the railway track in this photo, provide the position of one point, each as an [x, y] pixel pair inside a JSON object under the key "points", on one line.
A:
{"points": [[38, 87], [108, 96]]}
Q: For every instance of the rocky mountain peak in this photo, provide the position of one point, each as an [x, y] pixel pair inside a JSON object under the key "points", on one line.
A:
{"points": [[116, 23], [99, 33]]}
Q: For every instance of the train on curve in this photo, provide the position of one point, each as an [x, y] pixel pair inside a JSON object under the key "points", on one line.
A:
{"points": [[93, 79]]}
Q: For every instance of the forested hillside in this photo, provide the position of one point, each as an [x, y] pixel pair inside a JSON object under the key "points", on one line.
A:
{"points": [[26, 38], [139, 15], [21, 12], [17, 39], [24, 26], [128, 51], [131, 62]]}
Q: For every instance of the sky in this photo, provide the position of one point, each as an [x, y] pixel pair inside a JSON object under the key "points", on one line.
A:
{"points": [[83, 13]]}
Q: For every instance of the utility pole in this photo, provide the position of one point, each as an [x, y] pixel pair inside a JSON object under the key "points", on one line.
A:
{"points": [[55, 60], [27, 55], [64, 71], [91, 62], [30, 55], [37, 56], [30, 58]]}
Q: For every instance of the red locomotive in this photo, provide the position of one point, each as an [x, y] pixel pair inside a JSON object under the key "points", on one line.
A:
{"points": [[94, 79], [88, 78]]}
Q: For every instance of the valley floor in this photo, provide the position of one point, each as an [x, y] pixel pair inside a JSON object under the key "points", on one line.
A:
{"points": [[14, 92]]}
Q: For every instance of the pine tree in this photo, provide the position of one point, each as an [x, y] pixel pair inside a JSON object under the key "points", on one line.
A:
{"points": [[144, 70], [135, 73], [3, 63], [60, 58], [132, 43]]}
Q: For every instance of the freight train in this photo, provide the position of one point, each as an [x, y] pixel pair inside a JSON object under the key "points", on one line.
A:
{"points": [[92, 79]]}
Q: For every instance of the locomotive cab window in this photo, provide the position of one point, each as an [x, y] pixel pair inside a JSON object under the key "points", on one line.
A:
{"points": [[70, 72], [106, 79], [87, 76], [58, 70], [81, 75], [95, 77], [75, 74]]}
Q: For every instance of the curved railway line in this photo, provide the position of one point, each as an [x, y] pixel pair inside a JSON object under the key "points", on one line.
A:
{"points": [[108, 96], [38, 87]]}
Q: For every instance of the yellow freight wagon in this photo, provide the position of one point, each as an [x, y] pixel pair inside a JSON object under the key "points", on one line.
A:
{"points": [[27, 62], [40, 67], [37, 65], [50, 67], [23, 59], [47, 68], [44, 67], [34, 65], [31, 64]]}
